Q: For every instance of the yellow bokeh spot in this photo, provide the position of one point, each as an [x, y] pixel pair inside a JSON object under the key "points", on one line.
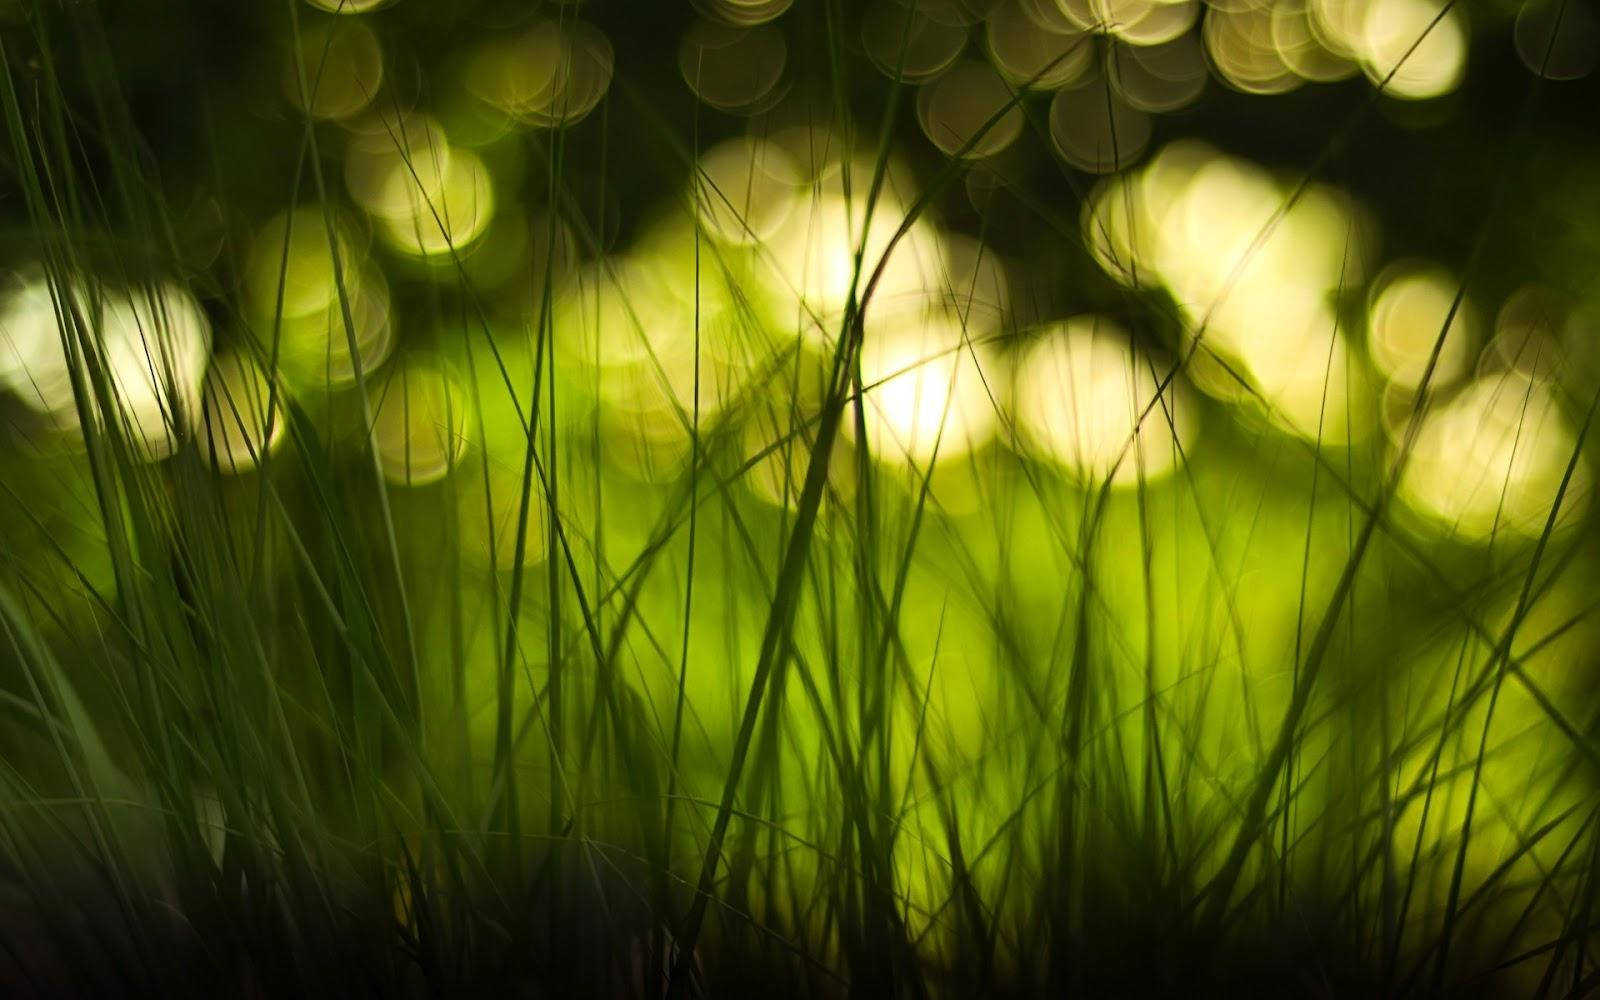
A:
{"points": [[1414, 49], [812, 262], [1406, 320], [1255, 267], [428, 223], [1030, 57], [1490, 461], [928, 390], [419, 423], [734, 69], [744, 189], [1089, 400], [235, 419]]}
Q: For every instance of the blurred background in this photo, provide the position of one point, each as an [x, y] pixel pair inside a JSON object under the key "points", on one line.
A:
{"points": [[904, 495]]}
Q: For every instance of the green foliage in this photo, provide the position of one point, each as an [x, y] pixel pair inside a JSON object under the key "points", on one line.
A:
{"points": [[591, 716]]}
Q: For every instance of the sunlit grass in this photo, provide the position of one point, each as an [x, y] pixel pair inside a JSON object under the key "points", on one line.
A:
{"points": [[808, 586]]}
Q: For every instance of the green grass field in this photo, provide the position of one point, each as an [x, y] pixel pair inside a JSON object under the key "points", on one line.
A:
{"points": [[926, 498]]}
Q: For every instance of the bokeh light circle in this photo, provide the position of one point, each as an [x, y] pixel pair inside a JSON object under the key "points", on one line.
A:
{"points": [[335, 70], [1405, 319], [1087, 399], [235, 416], [1095, 130], [419, 423], [969, 112], [906, 44], [1558, 39], [1490, 461], [928, 391], [732, 68], [1414, 49], [1160, 78], [1030, 57], [744, 189]]}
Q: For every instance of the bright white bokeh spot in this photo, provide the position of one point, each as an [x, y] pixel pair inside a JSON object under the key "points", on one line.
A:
{"points": [[1489, 463], [1307, 378], [1406, 319], [744, 189], [30, 333], [812, 262], [928, 391], [150, 343], [1414, 49], [1254, 266], [1089, 400]]}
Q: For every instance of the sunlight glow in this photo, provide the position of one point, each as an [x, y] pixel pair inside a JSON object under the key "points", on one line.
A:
{"points": [[1082, 395], [744, 189], [927, 391], [1254, 277], [812, 262], [153, 344], [1490, 461], [1418, 46]]}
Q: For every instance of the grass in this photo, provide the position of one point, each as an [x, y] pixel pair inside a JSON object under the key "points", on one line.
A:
{"points": [[591, 716]]}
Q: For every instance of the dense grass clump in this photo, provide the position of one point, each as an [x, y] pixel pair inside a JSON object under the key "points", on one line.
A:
{"points": [[951, 498]]}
